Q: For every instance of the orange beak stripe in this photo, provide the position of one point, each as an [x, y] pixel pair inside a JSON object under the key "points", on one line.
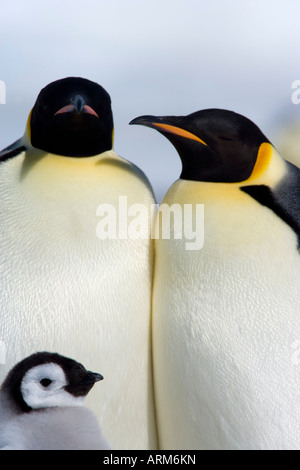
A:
{"points": [[177, 131]]}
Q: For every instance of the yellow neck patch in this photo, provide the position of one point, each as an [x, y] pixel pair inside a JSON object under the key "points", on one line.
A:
{"points": [[264, 156], [28, 127]]}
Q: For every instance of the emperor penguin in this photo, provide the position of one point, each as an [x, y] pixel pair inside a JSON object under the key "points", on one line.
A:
{"points": [[75, 275], [226, 311], [42, 406]]}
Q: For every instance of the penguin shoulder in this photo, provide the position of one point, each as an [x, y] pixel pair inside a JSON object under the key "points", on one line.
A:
{"points": [[126, 170], [15, 149]]}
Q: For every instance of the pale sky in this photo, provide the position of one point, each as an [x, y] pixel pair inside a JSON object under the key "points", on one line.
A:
{"points": [[154, 57]]}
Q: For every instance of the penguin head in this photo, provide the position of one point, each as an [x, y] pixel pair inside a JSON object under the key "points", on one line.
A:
{"points": [[46, 379], [72, 117], [214, 145]]}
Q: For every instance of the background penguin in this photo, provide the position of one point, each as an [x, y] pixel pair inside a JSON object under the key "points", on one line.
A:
{"points": [[226, 318], [42, 406], [62, 286], [288, 141]]}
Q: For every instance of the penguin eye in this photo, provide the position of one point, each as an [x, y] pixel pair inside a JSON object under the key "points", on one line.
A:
{"points": [[45, 382]]}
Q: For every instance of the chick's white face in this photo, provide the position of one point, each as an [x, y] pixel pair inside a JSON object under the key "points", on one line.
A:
{"points": [[43, 386]]}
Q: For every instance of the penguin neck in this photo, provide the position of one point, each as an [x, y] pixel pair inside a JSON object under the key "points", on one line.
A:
{"points": [[224, 202], [34, 154], [69, 181], [268, 170], [61, 167]]}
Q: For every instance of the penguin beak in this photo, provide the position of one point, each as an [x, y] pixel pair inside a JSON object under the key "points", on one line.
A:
{"points": [[91, 378], [164, 125], [78, 106], [81, 386]]}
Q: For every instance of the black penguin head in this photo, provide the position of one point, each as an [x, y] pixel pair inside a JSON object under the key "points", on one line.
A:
{"points": [[214, 144], [72, 117], [48, 379]]}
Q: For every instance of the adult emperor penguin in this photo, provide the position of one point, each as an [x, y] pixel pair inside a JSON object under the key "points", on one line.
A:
{"points": [[42, 406], [69, 282], [226, 317]]}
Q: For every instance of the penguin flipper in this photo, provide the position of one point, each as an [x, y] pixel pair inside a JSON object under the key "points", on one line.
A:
{"points": [[284, 200], [12, 150]]}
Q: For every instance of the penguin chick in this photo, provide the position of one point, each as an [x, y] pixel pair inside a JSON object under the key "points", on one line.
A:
{"points": [[42, 406], [227, 314]]}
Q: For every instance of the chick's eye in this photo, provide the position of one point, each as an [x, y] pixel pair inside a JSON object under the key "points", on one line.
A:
{"points": [[45, 382]]}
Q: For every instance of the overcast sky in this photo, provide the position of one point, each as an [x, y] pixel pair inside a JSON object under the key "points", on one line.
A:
{"points": [[154, 57]]}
